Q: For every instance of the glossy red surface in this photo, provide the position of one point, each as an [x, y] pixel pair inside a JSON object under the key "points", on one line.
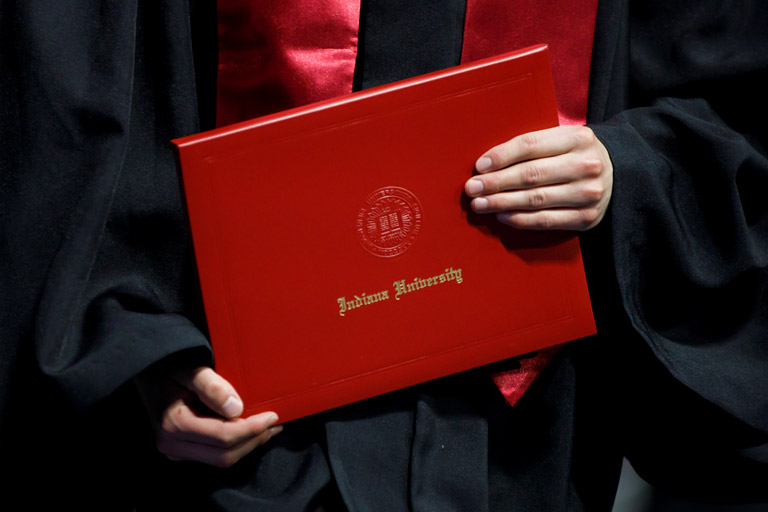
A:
{"points": [[274, 207]]}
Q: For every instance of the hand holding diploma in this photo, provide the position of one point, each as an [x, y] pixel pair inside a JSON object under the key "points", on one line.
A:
{"points": [[559, 178], [196, 416]]}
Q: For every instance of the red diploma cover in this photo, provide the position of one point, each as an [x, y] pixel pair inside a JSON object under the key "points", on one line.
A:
{"points": [[337, 254]]}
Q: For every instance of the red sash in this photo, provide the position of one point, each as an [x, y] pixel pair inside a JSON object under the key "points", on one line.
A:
{"points": [[496, 26], [275, 55]]}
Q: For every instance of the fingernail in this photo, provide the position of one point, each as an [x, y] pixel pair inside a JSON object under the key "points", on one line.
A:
{"points": [[480, 204], [483, 163], [275, 430], [232, 407], [474, 187], [272, 420]]}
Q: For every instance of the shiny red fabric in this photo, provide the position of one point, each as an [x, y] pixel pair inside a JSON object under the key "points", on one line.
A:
{"points": [[514, 383], [275, 55], [495, 26], [286, 54]]}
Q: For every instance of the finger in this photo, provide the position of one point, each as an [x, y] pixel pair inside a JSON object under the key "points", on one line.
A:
{"points": [[538, 144], [183, 423], [572, 195], [563, 219], [180, 450], [213, 390], [535, 173]]}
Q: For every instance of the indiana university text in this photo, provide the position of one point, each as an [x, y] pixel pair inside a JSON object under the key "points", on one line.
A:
{"points": [[401, 287]]}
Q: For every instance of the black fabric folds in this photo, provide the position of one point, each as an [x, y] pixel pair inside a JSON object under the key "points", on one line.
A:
{"points": [[97, 281], [690, 232], [96, 278], [122, 273]]}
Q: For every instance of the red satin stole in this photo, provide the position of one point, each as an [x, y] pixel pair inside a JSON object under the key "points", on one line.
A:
{"points": [[275, 55]]}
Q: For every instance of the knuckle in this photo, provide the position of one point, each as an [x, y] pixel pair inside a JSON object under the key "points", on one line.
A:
{"points": [[593, 193], [219, 436], [544, 221], [529, 142], [539, 221], [589, 216], [593, 167], [531, 175], [173, 421], [583, 136], [226, 439], [536, 198], [213, 388]]}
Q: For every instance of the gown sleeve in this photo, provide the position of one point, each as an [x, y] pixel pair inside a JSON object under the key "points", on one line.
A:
{"points": [[689, 217], [104, 88]]}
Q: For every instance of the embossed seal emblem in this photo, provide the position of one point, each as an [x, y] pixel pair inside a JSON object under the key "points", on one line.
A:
{"points": [[389, 221]]}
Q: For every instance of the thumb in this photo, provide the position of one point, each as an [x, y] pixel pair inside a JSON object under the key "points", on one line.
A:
{"points": [[213, 390]]}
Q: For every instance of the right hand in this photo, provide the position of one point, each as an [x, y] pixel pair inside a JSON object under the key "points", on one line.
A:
{"points": [[559, 178], [196, 416]]}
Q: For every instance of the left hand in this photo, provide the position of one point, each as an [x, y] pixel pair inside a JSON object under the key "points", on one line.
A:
{"points": [[196, 415], [560, 178]]}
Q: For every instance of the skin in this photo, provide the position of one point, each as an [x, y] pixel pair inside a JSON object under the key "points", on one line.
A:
{"points": [[196, 416], [555, 179]]}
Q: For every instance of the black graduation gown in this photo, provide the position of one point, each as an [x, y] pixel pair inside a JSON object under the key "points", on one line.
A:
{"points": [[97, 281]]}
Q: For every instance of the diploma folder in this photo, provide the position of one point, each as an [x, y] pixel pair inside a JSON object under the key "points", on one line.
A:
{"points": [[338, 256]]}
